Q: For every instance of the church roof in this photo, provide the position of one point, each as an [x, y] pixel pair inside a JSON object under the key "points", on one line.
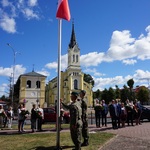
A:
{"points": [[35, 74], [73, 38]]}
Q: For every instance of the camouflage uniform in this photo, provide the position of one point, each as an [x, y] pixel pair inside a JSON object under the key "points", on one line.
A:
{"points": [[85, 129], [75, 123]]}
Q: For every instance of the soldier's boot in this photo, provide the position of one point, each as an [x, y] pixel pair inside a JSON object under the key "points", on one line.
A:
{"points": [[85, 143]]}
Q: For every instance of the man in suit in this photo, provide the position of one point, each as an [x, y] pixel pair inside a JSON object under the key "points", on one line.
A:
{"points": [[104, 113], [113, 114]]}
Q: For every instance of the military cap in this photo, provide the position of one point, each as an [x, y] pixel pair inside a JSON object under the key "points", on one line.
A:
{"points": [[83, 91], [74, 93]]}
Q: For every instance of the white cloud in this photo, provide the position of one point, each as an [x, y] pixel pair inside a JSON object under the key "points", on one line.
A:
{"points": [[7, 72], [129, 61], [3, 89], [10, 11], [64, 61], [19, 69], [7, 23], [32, 3], [142, 74], [94, 71], [140, 77], [92, 59], [101, 83], [29, 14], [121, 46], [44, 72], [52, 65]]}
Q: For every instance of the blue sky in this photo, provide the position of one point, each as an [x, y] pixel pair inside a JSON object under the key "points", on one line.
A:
{"points": [[113, 37]]}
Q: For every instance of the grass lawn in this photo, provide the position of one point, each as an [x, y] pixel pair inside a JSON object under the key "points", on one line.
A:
{"points": [[47, 141]]}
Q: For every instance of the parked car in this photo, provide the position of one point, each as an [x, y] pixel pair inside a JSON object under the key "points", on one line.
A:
{"points": [[50, 115], [145, 113]]}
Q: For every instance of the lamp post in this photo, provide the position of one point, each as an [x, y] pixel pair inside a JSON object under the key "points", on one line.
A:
{"points": [[13, 74]]}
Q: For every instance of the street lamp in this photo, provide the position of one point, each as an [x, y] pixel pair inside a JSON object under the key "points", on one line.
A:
{"points": [[13, 74]]}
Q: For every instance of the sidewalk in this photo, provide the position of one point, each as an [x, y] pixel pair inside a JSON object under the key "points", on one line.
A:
{"points": [[128, 138]]}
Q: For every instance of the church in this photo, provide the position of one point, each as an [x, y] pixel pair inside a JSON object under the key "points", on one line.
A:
{"points": [[72, 79], [31, 87]]}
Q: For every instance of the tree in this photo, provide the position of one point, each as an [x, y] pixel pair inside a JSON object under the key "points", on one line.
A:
{"points": [[111, 94], [88, 78], [130, 83], [143, 94], [97, 94], [104, 95], [124, 93], [117, 92]]}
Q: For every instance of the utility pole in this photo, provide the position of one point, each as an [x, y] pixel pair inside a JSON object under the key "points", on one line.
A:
{"points": [[13, 74]]}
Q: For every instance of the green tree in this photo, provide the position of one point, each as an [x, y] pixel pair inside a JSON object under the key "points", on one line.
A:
{"points": [[117, 92], [97, 94], [125, 93], [111, 94], [143, 94], [88, 78], [130, 83], [104, 95]]}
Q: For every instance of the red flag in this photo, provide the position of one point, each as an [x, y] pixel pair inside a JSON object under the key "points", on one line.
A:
{"points": [[63, 11]]}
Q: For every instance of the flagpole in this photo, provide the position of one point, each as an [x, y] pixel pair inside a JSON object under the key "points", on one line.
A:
{"points": [[58, 85]]}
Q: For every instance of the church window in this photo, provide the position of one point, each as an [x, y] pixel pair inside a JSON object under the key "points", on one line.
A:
{"points": [[73, 58], [76, 84], [38, 84], [28, 84], [76, 58]]}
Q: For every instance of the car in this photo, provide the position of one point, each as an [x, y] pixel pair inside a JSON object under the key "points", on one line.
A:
{"points": [[145, 113], [50, 115]]}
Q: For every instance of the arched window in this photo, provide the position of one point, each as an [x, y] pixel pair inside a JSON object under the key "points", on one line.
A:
{"points": [[73, 58], [76, 58], [38, 84], [28, 84], [76, 84], [65, 84]]}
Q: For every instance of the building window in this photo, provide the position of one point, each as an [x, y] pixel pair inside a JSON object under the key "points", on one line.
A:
{"points": [[76, 84], [76, 58], [73, 58], [38, 84], [28, 84]]}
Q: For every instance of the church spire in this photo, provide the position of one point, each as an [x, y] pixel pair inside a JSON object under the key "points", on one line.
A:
{"points": [[73, 37]]}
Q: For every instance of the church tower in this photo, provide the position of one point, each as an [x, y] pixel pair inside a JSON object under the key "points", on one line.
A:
{"points": [[74, 70], [72, 79], [73, 53]]}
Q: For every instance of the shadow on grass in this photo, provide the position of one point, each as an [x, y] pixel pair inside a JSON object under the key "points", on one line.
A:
{"points": [[52, 148]]}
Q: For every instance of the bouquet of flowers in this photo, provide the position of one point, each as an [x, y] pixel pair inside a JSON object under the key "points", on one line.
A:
{"points": [[99, 107], [38, 114], [2, 114], [25, 113]]}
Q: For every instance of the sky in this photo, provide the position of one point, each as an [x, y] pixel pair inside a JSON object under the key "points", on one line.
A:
{"points": [[113, 37]]}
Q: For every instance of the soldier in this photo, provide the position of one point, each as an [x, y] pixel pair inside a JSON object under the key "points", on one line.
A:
{"points": [[85, 130], [75, 120]]}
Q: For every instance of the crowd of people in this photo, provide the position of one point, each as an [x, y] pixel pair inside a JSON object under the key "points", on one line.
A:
{"points": [[6, 117], [120, 113], [36, 116]]}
